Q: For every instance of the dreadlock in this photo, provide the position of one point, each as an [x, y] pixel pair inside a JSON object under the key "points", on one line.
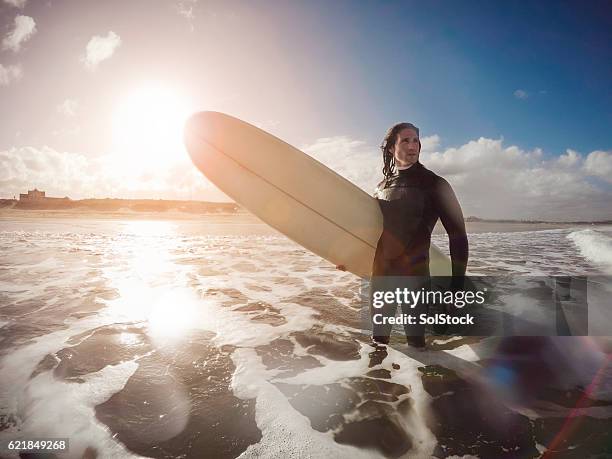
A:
{"points": [[389, 141]]}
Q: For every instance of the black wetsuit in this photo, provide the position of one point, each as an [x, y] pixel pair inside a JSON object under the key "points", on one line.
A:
{"points": [[411, 201]]}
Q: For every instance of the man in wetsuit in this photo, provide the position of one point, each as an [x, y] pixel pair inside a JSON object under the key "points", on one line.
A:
{"points": [[412, 198]]}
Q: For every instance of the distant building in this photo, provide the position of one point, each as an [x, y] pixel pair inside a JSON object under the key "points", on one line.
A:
{"points": [[33, 195], [36, 195]]}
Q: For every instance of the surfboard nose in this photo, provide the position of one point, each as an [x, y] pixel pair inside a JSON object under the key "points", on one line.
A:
{"points": [[197, 123], [205, 126], [196, 130]]}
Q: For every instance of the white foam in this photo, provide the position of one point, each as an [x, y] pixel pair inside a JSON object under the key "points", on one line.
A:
{"points": [[596, 246], [285, 432], [535, 253], [237, 329], [17, 366], [46, 407], [333, 371], [55, 409], [446, 341], [464, 352]]}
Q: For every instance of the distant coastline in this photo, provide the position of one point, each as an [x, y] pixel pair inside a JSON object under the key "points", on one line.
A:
{"points": [[487, 220], [115, 205], [37, 200]]}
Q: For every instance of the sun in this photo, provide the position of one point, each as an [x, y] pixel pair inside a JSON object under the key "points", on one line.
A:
{"points": [[147, 127]]}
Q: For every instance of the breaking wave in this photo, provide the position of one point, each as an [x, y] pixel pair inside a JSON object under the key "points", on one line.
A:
{"points": [[595, 246]]}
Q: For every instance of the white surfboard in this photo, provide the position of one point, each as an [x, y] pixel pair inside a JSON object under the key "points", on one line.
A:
{"points": [[291, 191]]}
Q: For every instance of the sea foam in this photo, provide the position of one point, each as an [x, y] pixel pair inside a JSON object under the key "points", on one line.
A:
{"points": [[595, 246]]}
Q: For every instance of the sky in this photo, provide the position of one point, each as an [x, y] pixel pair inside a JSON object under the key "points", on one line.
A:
{"points": [[513, 99]]}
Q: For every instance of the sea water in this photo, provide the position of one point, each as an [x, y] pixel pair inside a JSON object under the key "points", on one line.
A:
{"points": [[181, 339]]}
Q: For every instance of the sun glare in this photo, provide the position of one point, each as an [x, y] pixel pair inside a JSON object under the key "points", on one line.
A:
{"points": [[148, 125]]}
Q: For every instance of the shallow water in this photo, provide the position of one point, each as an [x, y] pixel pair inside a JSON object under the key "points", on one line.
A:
{"points": [[185, 339]]}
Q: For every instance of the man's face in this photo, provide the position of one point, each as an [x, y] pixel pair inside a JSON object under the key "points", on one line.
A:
{"points": [[407, 148]]}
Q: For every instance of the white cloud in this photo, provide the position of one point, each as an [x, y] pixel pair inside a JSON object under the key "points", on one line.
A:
{"points": [[599, 164], [494, 181], [9, 74], [569, 159], [68, 107], [430, 143], [55, 172], [100, 48], [353, 159], [16, 3], [79, 176], [24, 28], [521, 94]]}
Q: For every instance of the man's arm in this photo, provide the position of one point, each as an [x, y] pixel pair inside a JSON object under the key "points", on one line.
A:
{"points": [[451, 217]]}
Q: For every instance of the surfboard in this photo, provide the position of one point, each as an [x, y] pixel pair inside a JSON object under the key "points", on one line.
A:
{"points": [[291, 191]]}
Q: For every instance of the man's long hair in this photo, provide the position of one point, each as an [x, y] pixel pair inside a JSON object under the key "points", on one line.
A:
{"points": [[389, 141]]}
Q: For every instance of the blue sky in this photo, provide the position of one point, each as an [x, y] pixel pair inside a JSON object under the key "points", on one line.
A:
{"points": [[528, 80], [453, 68]]}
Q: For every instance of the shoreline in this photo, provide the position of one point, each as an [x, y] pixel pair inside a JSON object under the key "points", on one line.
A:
{"points": [[245, 218], [510, 227]]}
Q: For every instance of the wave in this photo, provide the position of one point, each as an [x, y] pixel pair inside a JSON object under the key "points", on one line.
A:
{"points": [[595, 246]]}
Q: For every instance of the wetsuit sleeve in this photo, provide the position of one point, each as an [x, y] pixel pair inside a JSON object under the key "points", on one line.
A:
{"points": [[451, 217]]}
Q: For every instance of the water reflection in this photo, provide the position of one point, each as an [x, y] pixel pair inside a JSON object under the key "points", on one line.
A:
{"points": [[152, 288]]}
